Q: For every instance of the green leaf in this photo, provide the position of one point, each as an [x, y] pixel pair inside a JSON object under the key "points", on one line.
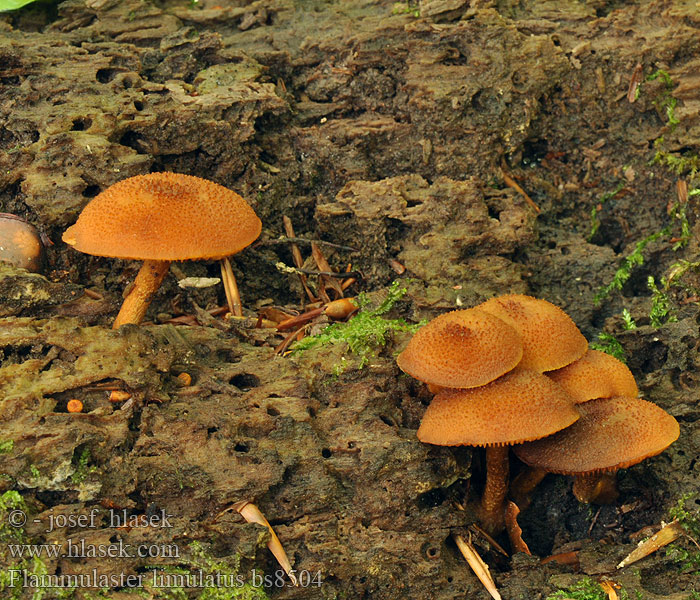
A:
{"points": [[6, 5]]}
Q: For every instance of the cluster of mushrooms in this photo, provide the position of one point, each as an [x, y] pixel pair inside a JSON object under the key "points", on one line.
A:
{"points": [[160, 218], [515, 371]]}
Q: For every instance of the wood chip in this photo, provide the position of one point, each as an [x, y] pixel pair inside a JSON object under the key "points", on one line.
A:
{"points": [[477, 565], [252, 514], [635, 82], [515, 533], [610, 588], [667, 534]]}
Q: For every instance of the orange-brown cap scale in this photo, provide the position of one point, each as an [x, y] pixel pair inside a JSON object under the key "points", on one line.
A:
{"points": [[551, 339], [165, 217], [461, 349], [596, 375], [612, 433], [521, 405]]}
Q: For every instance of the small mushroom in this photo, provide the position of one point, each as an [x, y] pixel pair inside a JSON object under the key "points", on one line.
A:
{"points": [[20, 243], [612, 434], [596, 375], [74, 406], [522, 405], [160, 218], [551, 339], [461, 349]]}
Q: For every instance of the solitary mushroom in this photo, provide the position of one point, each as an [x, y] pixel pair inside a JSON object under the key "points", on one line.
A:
{"points": [[551, 339], [596, 375], [612, 434], [461, 349], [160, 218], [522, 405], [20, 243]]}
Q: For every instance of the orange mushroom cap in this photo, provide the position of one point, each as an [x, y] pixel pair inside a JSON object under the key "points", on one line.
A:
{"points": [[596, 375], [461, 349], [20, 243], [612, 433], [522, 405], [550, 338], [74, 406], [164, 217]]}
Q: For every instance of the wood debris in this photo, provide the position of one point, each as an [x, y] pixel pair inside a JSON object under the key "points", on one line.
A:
{"points": [[635, 82], [233, 297], [667, 534], [477, 565], [296, 256], [515, 533], [510, 182], [252, 514]]}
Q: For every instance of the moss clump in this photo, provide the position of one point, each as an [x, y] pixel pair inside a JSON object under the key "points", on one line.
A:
{"points": [[13, 538], [609, 344], [660, 312], [634, 259], [171, 583], [684, 275], [585, 589], [665, 102], [686, 555], [685, 165], [82, 467], [628, 322], [366, 333], [595, 219]]}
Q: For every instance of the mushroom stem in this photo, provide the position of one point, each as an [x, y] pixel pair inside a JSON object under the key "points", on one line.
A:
{"points": [[139, 297], [233, 298], [600, 488], [524, 483], [493, 501]]}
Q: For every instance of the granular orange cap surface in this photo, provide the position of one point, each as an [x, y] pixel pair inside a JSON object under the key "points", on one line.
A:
{"points": [[164, 216], [596, 375], [461, 349], [551, 339], [522, 405], [612, 433], [74, 406]]}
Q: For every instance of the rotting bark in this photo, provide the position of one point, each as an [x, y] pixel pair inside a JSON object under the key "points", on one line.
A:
{"points": [[384, 131]]}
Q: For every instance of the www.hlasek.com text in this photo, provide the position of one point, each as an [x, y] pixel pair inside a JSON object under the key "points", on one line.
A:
{"points": [[79, 548]]}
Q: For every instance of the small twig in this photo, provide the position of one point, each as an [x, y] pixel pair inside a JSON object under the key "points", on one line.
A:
{"points": [[298, 240], [282, 348], [233, 297], [93, 295], [287, 269], [493, 543], [323, 281], [296, 256], [593, 520], [510, 182]]}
